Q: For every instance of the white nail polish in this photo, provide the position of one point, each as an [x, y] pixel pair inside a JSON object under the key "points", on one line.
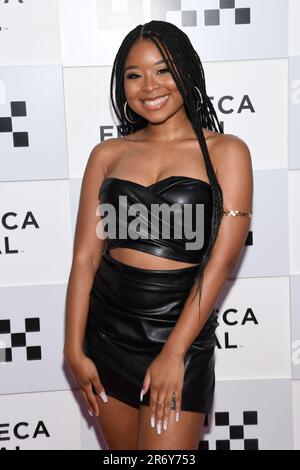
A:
{"points": [[159, 427], [177, 416], [165, 425], [90, 413], [103, 396], [141, 395], [152, 422]]}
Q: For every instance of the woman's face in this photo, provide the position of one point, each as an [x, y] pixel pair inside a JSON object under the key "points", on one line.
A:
{"points": [[145, 79]]}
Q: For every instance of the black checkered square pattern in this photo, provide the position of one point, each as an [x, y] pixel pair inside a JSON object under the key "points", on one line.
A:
{"points": [[241, 15], [232, 431], [18, 109], [18, 340]]}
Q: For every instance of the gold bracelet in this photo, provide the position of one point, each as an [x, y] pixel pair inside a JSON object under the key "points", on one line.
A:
{"points": [[234, 213]]}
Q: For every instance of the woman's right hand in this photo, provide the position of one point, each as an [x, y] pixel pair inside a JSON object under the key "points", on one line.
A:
{"points": [[86, 374]]}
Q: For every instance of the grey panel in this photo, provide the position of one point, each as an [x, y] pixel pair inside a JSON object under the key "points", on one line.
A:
{"points": [[295, 324], [268, 253], [294, 112], [32, 123], [32, 333]]}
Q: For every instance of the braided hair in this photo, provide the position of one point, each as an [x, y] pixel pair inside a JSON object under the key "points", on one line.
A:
{"points": [[174, 45]]}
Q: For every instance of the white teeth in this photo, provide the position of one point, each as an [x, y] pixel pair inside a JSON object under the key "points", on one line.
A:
{"points": [[156, 102]]}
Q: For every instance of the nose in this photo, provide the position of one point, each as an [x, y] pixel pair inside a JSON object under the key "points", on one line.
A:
{"points": [[150, 82]]}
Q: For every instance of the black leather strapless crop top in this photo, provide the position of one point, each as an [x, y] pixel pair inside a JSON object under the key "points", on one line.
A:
{"points": [[148, 235]]}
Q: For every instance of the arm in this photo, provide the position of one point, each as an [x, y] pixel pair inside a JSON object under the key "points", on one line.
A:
{"points": [[87, 253], [235, 177]]}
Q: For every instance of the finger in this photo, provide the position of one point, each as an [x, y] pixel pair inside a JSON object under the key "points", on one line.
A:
{"points": [[178, 405], [167, 410], [146, 384], [83, 394], [99, 389], [159, 412], [152, 406], [91, 398]]}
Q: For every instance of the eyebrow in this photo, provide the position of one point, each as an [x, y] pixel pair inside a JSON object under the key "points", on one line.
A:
{"points": [[156, 63]]}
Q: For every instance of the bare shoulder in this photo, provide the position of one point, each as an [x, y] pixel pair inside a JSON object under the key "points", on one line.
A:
{"points": [[234, 171], [103, 153], [230, 150], [230, 156]]}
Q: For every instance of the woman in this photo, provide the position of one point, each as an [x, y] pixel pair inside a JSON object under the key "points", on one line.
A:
{"points": [[140, 331]]}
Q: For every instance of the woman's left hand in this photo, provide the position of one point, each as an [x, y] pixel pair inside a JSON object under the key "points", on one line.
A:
{"points": [[164, 376]]}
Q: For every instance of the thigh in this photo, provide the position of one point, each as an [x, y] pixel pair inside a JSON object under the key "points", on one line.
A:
{"points": [[118, 423], [184, 434]]}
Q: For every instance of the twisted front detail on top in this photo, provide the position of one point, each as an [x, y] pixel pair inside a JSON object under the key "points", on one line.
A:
{"points": [[185, 192]]}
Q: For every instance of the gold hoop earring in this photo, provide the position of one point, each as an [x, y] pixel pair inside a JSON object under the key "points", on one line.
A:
{"points": [[201, 99], [133, 122]]}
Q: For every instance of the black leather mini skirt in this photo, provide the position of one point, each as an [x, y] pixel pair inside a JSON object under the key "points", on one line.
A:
{"points": [[131, 313]]}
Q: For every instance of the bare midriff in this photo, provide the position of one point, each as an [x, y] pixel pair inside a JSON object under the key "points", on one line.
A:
{"points": [[140, 259]]}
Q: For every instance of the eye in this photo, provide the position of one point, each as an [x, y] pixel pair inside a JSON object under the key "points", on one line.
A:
{"points": [[130, 75], [163, 70]]}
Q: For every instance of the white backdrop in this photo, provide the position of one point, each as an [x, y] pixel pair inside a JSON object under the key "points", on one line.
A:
{"points": [[55, 65]]}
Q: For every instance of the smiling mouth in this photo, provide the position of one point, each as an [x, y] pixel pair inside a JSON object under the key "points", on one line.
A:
{"points": [[155, 104]]}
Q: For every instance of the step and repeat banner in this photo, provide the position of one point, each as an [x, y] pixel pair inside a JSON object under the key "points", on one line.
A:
{"points": [[55, 65]]}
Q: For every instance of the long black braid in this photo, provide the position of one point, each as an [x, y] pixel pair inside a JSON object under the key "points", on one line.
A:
{"points": [[174, 45]]}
